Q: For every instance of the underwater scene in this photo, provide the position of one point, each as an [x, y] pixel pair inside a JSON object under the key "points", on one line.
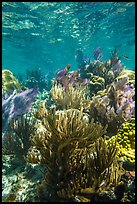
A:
{"points": [[68, 102]]}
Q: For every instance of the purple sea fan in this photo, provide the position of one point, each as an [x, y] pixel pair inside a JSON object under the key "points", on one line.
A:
{"points": [[22, 102], [18, 104]]}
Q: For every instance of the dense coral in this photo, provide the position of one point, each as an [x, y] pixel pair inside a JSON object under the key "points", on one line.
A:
{"points": [[67, 144], [9, 82], [114, 105], [126, 141], [108, 70], [72, 97], [79, 162], [17, 140], [96, 84]]}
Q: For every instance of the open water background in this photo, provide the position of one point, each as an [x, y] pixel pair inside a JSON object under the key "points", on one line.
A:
{"points": [[47, 34]]}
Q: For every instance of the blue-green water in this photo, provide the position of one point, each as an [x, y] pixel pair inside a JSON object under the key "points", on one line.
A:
{"points": [[47, 34]]}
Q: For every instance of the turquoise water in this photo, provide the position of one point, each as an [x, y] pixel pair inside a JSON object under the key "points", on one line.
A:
{"points": [[47, 34]]}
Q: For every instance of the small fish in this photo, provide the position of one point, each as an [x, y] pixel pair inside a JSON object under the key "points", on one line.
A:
{"points": [[126, 57]]}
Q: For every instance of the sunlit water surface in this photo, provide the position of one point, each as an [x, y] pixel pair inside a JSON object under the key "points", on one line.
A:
{"points": [[47, 34]]}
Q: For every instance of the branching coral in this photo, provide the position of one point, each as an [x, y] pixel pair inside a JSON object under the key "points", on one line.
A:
{"points": [[17, 140], [9, 82], [102, 168], [103, 158], [72, 97], [108, 70], [68, 146], [129, 74], [114, 106]]}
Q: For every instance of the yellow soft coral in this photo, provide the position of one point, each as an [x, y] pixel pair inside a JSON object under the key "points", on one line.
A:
{"points": [[9, 82], [72, 97]]}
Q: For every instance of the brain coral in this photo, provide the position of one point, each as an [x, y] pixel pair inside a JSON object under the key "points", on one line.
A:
{"points": [[126, 141], [9, 82]]}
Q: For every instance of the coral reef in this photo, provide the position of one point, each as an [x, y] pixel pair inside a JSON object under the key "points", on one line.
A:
{"points": [[74, 154], [108, 70], [19, 182], [126, 141], [72, 97], [114, 105], [17, 140], [77, 143], [9, 82]]}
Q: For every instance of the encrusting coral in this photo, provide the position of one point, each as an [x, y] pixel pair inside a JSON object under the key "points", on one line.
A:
{"points": [[126, 141], [9, 82], [67, 144]]}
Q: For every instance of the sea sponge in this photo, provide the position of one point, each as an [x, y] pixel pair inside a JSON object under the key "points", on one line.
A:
{"points": [[9, 82]]}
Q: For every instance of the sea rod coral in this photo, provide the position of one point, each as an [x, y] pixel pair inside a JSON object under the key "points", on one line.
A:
{"points": [[72, 97], [67, 145], [114, 105], [17, 141]]}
